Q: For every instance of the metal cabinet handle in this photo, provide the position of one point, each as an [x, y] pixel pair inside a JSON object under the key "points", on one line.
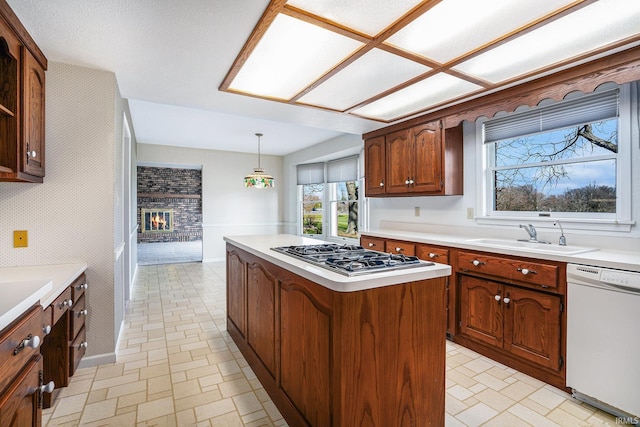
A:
{"points": [[47, 388], [382, 184], [411, 181], [526, 271], [407, 181], [432, 255], [371, 245], [46, 330], [83, 313], [497, 297], [31, 341], [477, 263], [66, 303], [399, 250], [83, 344], [506, 300], [81, 287]]}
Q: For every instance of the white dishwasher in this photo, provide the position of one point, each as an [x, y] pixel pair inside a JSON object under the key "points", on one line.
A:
{"points": [[603, 338]]}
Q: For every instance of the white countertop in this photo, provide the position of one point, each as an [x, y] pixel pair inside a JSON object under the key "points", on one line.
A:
{"points": [[261, 246], [621, 260], [22, 287]]}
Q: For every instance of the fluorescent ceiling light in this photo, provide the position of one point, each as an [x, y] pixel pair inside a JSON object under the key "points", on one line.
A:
{"points": [[444, 33], [291, 54], [366, 16], [432, 91], [367, 58], [373, 73], [593, 26]]}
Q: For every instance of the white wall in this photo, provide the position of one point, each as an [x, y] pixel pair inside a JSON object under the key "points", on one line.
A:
{"points": [[228, 208], [71, 217]]}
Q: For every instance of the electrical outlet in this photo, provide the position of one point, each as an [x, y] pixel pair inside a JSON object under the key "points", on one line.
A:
{"points": [[416, 211], [469, 213], [20, 239]]}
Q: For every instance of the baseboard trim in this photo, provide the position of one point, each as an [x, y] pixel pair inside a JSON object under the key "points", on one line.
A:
{"points": [[98, 359]]}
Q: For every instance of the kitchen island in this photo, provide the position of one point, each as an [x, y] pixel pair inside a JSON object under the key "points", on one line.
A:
{"points": [[334, 350]]}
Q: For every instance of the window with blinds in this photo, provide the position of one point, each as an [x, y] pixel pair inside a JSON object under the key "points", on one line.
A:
{"points": [[557, 158]]}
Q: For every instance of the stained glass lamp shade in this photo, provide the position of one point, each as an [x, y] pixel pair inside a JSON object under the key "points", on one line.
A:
{"points": [[259, 179]]}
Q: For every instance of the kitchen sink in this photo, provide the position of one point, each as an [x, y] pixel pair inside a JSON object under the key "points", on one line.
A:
{"points": [[543, 248]]}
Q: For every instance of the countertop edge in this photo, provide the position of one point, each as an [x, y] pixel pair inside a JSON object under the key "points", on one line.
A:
{"points": [[259, 246], [621, 260]]}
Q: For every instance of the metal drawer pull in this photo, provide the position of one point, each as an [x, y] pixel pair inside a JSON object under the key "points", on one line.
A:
{"points": [[46, 329], [47, 388], [371, 245], [382, 184], [81, 287], [83, 344], [83, 313], [477, 263], [526, 271], [31, 341], [506, 300], [399, 249], [66, 303], [432, 255], [497, 297]]}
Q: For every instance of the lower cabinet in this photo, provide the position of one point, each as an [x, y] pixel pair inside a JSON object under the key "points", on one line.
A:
{"points": [[63, 347], [326, 358], [21, 371]]}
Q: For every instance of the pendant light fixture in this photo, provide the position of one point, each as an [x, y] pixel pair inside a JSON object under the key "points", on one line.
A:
{"points": [[258, 179]]}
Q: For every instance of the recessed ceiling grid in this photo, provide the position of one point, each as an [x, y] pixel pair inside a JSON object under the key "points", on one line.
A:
{"points": [[387, 60]]}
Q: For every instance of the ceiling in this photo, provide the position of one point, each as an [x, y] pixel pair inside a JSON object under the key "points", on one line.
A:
{"points": [[177, 64]]}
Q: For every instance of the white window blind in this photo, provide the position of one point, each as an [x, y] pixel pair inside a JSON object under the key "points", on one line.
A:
{"points": [[579, 111], [343, 170], [312, 173]]}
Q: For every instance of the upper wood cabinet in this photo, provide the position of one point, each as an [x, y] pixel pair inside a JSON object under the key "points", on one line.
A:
{"points": [[22, 92], [422, 160], [375, 164]]}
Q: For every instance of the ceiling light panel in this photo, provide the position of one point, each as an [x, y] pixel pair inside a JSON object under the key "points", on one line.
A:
{"points": [[454, 27], [373, 73], [366, 16], [291, 55], [415, 98], [584, 30]]}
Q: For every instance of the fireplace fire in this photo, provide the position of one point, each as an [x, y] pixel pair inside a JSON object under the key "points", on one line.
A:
{"points": [[157, 220]]}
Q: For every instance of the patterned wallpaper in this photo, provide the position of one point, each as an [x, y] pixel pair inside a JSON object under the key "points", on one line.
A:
{"points": [[70, 217]]}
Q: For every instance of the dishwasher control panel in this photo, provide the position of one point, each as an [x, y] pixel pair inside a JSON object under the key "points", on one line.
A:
{"points": [[620, 278]]}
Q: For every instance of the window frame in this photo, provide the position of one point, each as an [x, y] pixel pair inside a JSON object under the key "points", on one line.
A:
{"points": [[619, 221]]}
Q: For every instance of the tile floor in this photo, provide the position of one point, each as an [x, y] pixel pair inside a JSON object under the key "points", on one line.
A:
{"points": [[177, 366]]}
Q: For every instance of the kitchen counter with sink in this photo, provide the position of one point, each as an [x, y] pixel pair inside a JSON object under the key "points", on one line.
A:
{"points": [[623, 260]]}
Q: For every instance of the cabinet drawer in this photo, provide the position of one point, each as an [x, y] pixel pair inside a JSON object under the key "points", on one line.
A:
{"points": [[76, 351], [13, 353], [429, 253], [77, 315], [372, 243], [78, 287], [544, 275], [61, 305], [404, 248]]}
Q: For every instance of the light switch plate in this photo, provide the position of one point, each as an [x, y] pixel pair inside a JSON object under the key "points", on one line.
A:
{"points": [[469, 213], [20, 239]]}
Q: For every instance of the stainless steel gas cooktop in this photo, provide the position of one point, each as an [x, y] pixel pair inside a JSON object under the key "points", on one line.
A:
{"points": [[351, 260]]}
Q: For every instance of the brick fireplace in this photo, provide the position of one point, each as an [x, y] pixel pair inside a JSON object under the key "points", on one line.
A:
{"points": [[169, 204]]}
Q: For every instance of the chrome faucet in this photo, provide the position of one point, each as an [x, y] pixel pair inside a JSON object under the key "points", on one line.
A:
{"points": [[563, 240], [531, 230]]}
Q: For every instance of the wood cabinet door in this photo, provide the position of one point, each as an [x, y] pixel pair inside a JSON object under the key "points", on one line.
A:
{"points": [[399, 152], [305, 353], [374, 166], [480, 311], [19, 404], [32, 152], [236, 291], [427, 176], [261, 309], [532, 326]]}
